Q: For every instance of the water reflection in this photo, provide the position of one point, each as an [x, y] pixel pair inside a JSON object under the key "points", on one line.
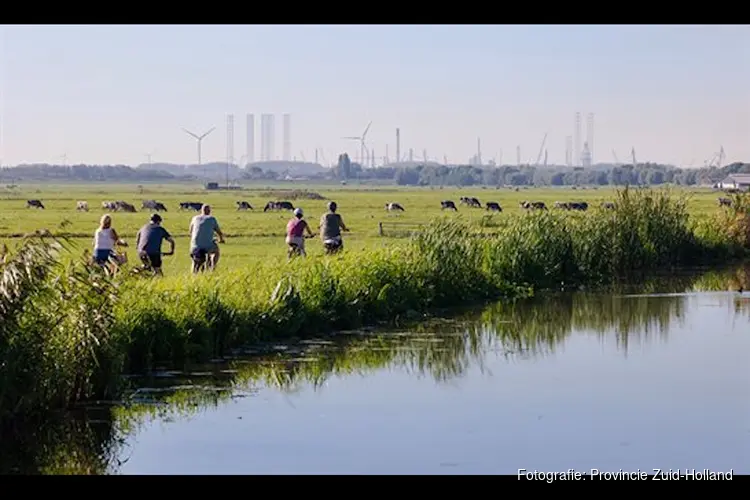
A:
{"points": [[442, 349]]}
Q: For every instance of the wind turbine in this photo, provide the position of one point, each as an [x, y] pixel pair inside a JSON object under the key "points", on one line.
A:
{"points": [[199, 138], [362, 147], [148, 157]]}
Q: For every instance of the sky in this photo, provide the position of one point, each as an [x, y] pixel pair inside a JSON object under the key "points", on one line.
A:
{"points": [[115, 94]]}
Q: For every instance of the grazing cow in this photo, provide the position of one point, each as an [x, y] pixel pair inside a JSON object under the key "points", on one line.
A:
{"points": [[725, 202], [578, 205], [447, 204], [153, 205], [391, 207], [124, 206], [243, 205], [82, 206], [34, 203], [190, 205], [608, 205], [562, 205], [109, 205], [471, 201], [536, 205], [494, 206], [278, 205]]}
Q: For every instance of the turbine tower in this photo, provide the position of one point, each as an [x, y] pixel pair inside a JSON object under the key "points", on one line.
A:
{"points": [[362, 147], [199, 139]]}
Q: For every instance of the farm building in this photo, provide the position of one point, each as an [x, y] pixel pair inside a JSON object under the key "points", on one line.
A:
{"points": [[736, 181]]}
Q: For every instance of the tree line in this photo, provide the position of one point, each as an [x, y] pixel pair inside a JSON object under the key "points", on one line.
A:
{"points": [[414, 174]]}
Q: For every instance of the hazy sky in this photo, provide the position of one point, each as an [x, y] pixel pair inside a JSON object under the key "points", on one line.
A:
{"points": [[111, 94]]}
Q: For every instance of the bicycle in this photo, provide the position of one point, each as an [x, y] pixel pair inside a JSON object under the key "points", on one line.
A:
{"points": [[147, 266], [334, 245], [295, 250]]}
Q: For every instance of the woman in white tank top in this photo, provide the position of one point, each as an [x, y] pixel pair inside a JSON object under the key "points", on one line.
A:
{"points": [[105, 240]]}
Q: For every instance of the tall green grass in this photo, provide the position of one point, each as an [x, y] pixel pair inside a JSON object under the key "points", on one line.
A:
{"points": [[67, 333]]}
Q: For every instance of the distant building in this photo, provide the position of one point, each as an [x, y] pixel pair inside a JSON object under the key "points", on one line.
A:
{"points": [[736, 181]]}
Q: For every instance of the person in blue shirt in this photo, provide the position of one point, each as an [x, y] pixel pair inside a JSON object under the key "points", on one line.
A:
{"points": [[148, 243]]}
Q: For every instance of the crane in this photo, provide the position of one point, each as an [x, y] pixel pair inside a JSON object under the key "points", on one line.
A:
{"points": [[541, 150], [718, 158]]}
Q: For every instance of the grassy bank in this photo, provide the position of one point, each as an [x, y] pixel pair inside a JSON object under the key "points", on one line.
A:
{"points": [[67, 333], [440, 349]]}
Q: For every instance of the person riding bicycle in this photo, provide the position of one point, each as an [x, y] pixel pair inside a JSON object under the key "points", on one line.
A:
{"points": [[331, 225], [295, 229], [148, 243], [204, 250]]}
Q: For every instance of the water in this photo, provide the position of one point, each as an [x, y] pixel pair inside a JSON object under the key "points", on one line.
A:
{"points": [[606, 381]]}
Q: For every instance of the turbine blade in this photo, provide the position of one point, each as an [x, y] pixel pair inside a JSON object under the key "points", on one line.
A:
{"points": [[208, 132], [366, 129], [190, 133]]}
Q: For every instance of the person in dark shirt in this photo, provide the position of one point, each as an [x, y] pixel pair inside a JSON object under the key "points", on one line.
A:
{"points": [[148, 243], [331, 225]]}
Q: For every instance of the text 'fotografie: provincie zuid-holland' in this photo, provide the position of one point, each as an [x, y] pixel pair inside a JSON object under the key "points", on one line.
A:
{"points": [[638, 475]]}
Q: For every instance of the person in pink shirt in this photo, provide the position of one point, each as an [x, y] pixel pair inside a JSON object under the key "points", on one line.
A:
{"points": [[295, 229]]}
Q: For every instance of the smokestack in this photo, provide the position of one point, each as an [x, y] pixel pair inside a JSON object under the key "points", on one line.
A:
{"points": [[411, 154], [590, 137], [266, 137], [230, 140], [479, 152], [398, 145], [250, 139], [577, 141]]}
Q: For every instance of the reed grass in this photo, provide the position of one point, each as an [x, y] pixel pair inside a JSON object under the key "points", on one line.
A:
{"points": [[67, 333]]}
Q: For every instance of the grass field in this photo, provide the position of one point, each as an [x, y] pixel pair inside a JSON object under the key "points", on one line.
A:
{"points": [[68, 333], [257, 235]]}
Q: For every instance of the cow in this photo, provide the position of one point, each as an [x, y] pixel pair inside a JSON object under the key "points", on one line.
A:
{"points": [[471, 201], [124, 206], [447, 204], [153, 205], [608, 205], [562, 205], [109, 205], [578, 205], [278, 205], [494, 206], [243, 205], [35, 204], [190, 205], [536, 205], [82, 206], [725, 202], [394, 207]]}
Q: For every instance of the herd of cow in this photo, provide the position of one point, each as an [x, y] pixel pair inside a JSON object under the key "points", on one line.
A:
{"points": [[155, 206], [493, 206]]}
